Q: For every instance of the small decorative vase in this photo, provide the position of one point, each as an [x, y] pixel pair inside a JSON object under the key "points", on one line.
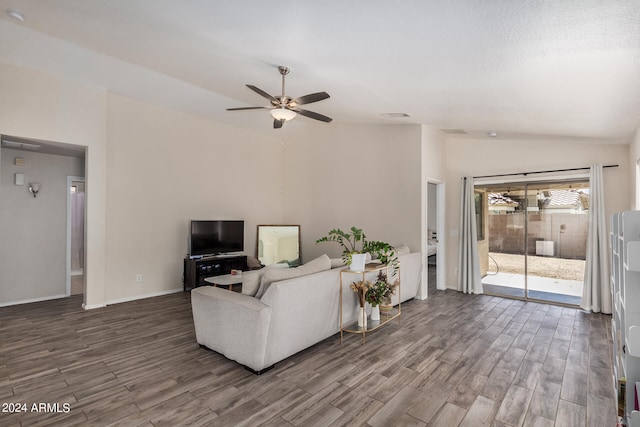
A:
{"points": [[357, 262], [385, 307], [385, 310], [375, 312], [362, 318]]}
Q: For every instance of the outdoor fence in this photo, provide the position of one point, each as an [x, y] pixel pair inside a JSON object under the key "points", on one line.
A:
{"points": [[567, 231]]}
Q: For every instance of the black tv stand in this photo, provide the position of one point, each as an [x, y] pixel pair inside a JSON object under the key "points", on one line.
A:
{"points": [[196, 270]]}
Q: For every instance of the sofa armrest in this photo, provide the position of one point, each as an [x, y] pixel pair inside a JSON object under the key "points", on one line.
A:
{"points": [[410, 276], [232, 324]]}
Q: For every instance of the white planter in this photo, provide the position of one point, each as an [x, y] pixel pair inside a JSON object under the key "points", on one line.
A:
{"points": [[375, 312], [362, 318], [357, 262]]}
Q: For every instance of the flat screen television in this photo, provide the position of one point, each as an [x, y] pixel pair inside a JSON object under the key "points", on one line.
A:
{"points": [[208, 238]]}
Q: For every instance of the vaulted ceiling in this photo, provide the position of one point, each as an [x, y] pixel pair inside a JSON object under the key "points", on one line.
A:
{"points": [[549, 68]]}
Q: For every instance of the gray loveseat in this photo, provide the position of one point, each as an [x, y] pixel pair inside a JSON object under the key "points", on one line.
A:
{"points": [[293, 314]]}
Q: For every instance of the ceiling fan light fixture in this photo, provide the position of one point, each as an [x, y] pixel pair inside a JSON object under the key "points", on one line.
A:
{"points": [[283, 114], [284, 108]]}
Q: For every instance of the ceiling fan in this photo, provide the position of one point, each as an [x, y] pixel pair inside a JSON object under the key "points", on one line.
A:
{"points": [[284, 108]]}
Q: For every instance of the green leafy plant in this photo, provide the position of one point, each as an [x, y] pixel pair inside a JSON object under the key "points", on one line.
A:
{"points": [[355, 242], [384, 252], [380, 290], [351, 243]]}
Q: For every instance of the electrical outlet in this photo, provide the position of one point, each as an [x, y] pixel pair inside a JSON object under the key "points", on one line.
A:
{"points": [[139, 278]]}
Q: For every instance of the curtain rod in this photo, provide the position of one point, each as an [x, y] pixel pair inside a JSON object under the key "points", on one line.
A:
{"points": [[531, 173]]}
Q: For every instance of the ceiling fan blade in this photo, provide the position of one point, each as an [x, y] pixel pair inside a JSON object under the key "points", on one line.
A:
{"points": [[248, 108], [277, 124], [312, 115], [312, 97], [262, 93]]}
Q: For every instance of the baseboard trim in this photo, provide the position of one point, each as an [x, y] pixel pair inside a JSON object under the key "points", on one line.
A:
{"points": [[93, 306], [27, 301], [137, 297]]}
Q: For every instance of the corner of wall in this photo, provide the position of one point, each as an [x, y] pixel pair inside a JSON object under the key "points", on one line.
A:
{"points": [[634, 157]]}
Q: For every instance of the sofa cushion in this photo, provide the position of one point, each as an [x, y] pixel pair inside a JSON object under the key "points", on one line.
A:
{"points": [[336, 262], [402, 249], [251, 279], [275, 275]]}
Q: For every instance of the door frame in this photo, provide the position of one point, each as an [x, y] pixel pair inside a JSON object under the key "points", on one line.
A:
{"points": [[70, 180], [441, 247], [637, 184], [526, 183]]}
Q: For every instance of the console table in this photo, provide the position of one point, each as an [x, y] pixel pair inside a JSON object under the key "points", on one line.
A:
{"points": [[371, 325], [197, 270]]}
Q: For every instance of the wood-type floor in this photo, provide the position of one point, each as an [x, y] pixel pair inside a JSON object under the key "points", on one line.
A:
{"points": [[451, 360]]}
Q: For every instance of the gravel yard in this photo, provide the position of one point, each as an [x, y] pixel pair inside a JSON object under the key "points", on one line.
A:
{"points": [[557, 268]]}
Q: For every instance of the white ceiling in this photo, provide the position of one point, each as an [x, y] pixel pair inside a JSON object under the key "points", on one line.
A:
{"points": [[546, 68]]}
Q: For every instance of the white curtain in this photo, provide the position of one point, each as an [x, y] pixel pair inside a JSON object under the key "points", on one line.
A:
{"points": [[469, 280], [596, 294], [77, 231]]}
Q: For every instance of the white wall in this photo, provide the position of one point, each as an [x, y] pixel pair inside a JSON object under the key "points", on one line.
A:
{"points": [[487, 157], [37, 105], [434, 160], [165, 168], [634, 157], [33, 230], [434, 153], [339, 175]]}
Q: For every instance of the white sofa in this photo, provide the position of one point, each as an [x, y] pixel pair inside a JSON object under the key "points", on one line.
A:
{"points": [[293, 314]]}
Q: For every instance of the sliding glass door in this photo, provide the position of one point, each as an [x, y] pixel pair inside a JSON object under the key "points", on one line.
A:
{"points": [[506, 238], [537, 238]]}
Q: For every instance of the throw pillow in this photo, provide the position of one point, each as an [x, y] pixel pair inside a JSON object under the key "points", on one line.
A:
{"points": [[402, 249], [253, 263], [336, 262], [314, 266], [251, 279]]}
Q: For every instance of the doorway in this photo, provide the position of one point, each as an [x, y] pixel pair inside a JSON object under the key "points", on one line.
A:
{"points": [[536, 234], [75, 235], [434, 246]]}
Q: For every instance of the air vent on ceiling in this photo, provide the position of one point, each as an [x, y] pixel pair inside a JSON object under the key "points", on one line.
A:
{"points": [[395, 115], [454, 131]]}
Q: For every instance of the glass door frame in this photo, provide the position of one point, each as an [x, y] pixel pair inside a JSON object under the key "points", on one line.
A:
{"points": [[526, 186]]}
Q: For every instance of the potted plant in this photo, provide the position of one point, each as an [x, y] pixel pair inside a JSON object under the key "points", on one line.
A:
{"points": [[352, 244], [383, 292], [362, 289], [355, 247], [376, 294]]}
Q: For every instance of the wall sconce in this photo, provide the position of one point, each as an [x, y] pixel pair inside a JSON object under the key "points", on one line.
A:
{"points": [[34, 187]]}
